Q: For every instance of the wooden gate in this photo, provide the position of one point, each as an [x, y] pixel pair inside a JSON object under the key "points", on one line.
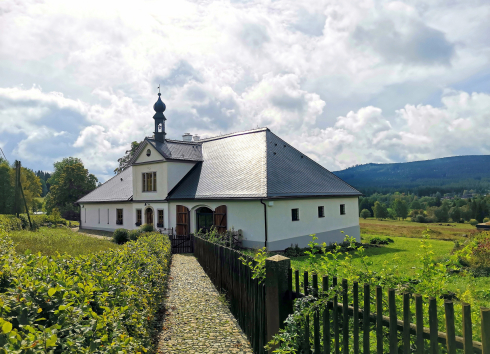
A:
{"points": [[182, 244]]}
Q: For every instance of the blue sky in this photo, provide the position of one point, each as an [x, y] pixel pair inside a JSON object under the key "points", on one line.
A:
{"points": [[346, 82]]}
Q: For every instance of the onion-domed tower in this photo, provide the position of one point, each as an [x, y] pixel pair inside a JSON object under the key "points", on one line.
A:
{"points": [[160, 119]]}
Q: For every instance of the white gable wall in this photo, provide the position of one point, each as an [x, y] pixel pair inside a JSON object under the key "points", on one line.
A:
{"points": [[154, 155]]}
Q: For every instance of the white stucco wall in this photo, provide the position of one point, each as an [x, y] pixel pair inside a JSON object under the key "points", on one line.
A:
{"points": [[247, 215], [283, 231], [154, 155], [90, 216], [169, 173]]}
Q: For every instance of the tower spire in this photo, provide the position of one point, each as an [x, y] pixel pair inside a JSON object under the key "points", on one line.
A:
{"points": [[159, 118]]}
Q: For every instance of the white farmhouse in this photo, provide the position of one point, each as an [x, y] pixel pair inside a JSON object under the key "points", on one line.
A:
{"points": [[251, 180]]}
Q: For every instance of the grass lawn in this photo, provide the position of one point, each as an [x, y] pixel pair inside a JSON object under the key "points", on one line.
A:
{"points": [[403, 252], [49, 240], [407, 228]]}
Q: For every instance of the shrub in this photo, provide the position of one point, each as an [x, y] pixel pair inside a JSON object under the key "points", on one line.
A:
{"points": [[100, 303], [380, 241], [486, 220], [420, 218], [120, 236], [473, 222], [10, 223], [365, 213], [134, 234], [147, 228]]}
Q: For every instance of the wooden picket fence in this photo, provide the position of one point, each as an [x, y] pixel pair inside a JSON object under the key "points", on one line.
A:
{"points": [[245, 295], [344, 325]]}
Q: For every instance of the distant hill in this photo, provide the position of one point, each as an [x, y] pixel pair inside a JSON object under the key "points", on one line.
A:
{"points": [[446, 175]]}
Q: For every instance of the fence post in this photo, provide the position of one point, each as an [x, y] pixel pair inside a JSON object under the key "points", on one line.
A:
{"points": [[277, 303]]}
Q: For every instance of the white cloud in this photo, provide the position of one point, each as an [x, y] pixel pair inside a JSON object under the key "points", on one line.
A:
{"points": [[297, 67]]}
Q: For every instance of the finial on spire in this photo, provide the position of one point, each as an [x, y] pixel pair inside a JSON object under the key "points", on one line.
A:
{"points": [[158, 89]]}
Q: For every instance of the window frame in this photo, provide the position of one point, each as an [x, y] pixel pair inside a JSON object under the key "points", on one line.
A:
{"points": [[160, 224], [119, 221], [297, 214], [321, 211], [342, 209], [145, 181], [139, 218]]}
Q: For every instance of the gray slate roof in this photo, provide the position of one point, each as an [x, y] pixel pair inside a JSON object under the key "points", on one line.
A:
{"points": [[250, 164], [172, 150], [257, 164], [118, 189]]}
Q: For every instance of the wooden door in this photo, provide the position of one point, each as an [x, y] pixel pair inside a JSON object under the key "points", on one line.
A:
{"points": [[220, 219], [149, 216], [182, 221]]}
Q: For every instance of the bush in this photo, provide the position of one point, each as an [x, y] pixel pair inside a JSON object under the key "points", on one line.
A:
{"points": [[147, 228], [100, 303], [10, 223], [120, 236], [134, 234], [473, 222], [380, 241], [486, 220], [365, 213], [420, 218]]}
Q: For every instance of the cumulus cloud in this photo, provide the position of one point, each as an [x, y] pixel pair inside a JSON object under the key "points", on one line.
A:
{"points": [[347, 81]]}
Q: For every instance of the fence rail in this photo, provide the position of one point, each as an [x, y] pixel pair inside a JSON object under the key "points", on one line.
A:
{"points": [[245, 295]]}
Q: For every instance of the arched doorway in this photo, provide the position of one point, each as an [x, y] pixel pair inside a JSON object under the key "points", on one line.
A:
{"points": [[204, 217], [149, 216]]}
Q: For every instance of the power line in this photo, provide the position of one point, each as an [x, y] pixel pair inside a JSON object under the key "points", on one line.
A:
{"points": [[3, 153]]}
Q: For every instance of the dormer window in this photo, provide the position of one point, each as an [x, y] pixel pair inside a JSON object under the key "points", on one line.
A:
{"points": [[149, 182], [148, 152]]}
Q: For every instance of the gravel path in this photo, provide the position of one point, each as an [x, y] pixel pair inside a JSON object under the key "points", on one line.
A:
{"points": [[197, 319]]}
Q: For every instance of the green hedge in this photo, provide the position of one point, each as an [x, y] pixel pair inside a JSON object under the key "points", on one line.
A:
{"points": [[11, 223], [104, 302]]}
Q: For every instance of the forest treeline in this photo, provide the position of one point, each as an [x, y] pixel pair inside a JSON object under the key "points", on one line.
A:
{"points": [[423, 178], [436, 208], [69, 182]]}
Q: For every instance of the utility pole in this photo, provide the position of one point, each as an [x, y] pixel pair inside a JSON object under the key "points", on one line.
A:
{"points": [[16, 190], [18, 185]]}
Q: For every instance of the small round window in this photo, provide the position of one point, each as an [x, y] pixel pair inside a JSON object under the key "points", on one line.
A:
{"points": [[148, 152]]}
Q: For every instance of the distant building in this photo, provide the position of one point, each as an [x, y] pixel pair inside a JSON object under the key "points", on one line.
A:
{"points": [[251, 180]]}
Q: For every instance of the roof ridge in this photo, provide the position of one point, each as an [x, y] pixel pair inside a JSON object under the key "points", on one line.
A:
{"points": [[250, 131]]}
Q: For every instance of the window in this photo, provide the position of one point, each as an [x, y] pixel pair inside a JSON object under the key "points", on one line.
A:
{"points": [[160, 218], [321, 212], [138, 217], [342, 209], [107, 215], [148, 152], [149, 181], [295, 214], [119, 216], [99, 215]]}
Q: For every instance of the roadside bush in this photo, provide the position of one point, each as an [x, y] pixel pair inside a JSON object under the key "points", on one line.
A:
{"points": [[475, 253], [486, 220], [101, 303], [147, 228], [134, 234], [120, 236], [473, 222]]}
